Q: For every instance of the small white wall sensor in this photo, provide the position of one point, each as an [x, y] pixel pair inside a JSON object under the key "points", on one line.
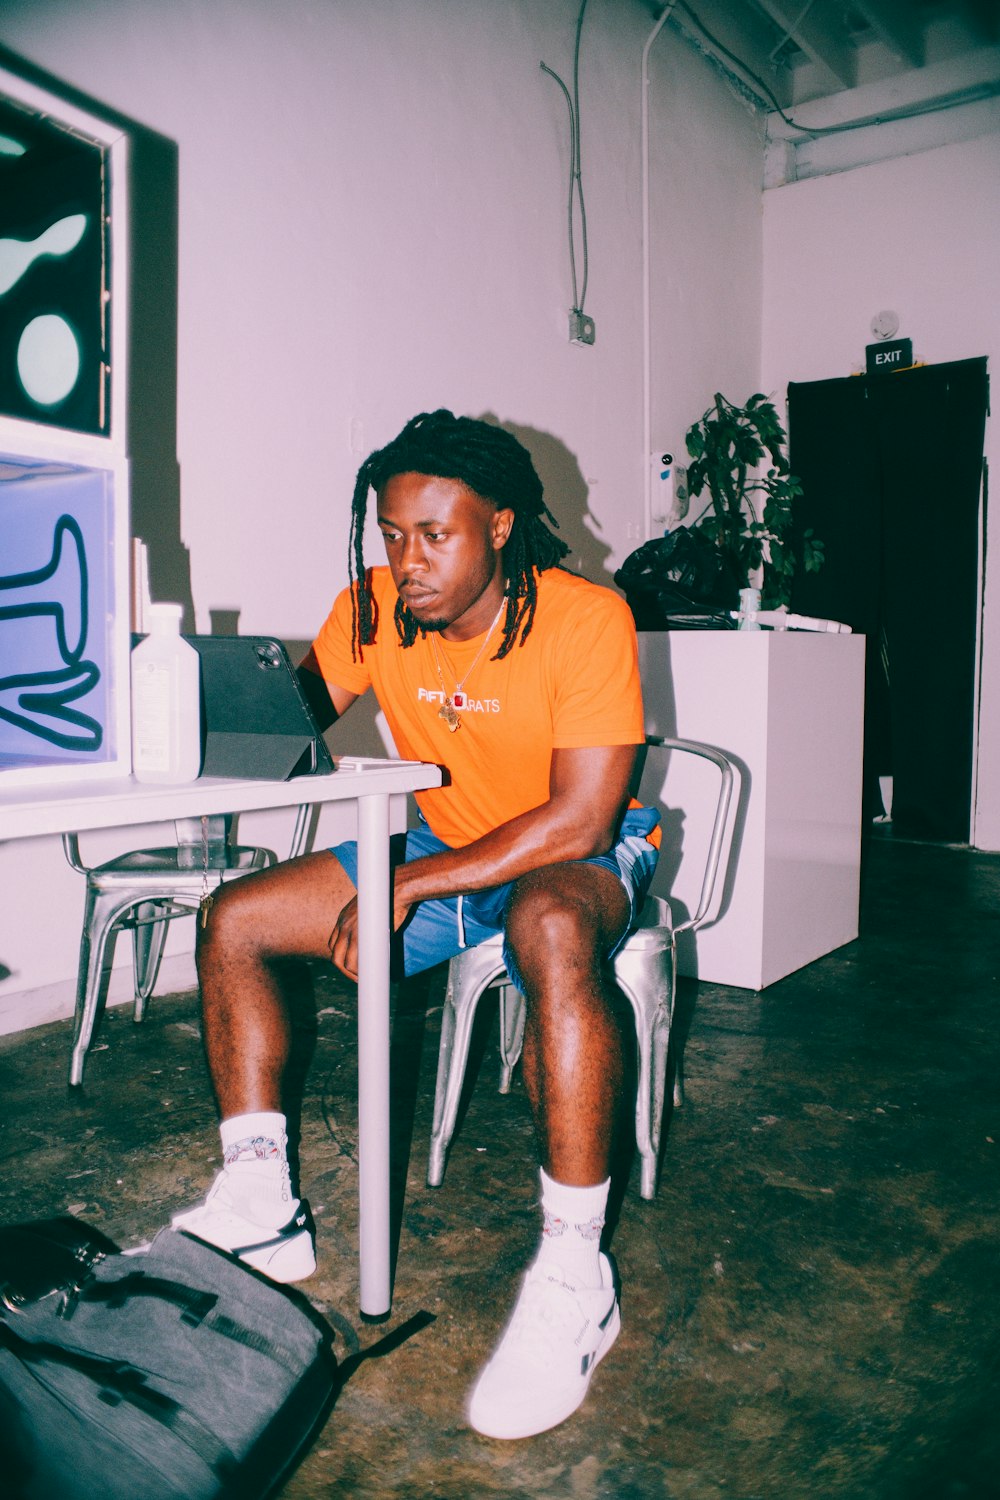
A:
{"points": [[885, 325]]}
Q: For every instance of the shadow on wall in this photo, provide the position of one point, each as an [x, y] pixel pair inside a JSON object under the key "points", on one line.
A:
{"points": [[226, 622], [156, 495], [566, 496], [152, 351]]}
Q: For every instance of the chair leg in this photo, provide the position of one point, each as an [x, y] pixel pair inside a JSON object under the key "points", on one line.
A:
{"points": [[512, 1016], [649, 1103], [439, 1144], [647, 977], [148, 938], [470, 974], [453, 1056], [100, 914]]}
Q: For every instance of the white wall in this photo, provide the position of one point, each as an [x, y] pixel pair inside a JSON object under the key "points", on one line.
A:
{"points": [[372, 210], [919, 235], [706, 244]]}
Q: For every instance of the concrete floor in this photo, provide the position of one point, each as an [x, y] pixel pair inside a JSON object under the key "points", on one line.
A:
{"points": [[809, 1305]]}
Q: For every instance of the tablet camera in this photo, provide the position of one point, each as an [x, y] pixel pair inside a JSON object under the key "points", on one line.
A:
{"points": [[268, 656]]}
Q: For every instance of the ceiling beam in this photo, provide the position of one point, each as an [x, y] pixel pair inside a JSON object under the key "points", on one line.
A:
{"points": [[897, 25], [821, 33], [736, 35], [953, 100]]}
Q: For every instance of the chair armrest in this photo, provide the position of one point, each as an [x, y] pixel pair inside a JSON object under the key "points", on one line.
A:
{"points": [[725, 767], [300, 831]]}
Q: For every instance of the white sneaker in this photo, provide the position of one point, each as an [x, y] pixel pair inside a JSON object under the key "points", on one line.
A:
{"points": [[241, 1219], [542, 1366]]}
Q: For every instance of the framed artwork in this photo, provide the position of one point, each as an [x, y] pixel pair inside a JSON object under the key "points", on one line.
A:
{"points": [[64, 512], [55, 355]]}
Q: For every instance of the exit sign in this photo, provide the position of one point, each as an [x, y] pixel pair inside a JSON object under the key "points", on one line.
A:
{"points": [[890, 354]]}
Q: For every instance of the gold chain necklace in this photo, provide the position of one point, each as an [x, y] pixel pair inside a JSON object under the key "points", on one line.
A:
{"points": [[456, 699]]}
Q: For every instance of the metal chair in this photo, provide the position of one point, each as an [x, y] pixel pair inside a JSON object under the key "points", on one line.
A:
{"points": [[644, 969], [143, 891]]}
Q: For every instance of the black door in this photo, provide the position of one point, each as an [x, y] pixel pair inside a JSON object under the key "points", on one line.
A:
{"points": [[891, 467]]}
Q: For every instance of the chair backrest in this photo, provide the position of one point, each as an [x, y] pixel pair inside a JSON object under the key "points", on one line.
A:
{"points": [[655, 913], [716, 841]]}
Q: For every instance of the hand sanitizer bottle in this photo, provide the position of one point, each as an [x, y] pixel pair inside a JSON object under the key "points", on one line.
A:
{"points": [[166, 701]]}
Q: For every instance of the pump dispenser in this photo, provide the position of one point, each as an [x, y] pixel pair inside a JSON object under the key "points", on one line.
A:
{"points": [[166, 701]]}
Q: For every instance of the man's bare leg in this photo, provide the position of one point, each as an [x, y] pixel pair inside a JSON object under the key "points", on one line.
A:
{"points": [[289, 911], [561, 922]]}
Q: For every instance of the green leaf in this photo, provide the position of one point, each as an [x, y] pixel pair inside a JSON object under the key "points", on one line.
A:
{"points": [[727, 445]]}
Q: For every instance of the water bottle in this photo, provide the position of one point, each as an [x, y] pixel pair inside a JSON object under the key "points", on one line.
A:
{"points": [[749, 605], [166, 701]]}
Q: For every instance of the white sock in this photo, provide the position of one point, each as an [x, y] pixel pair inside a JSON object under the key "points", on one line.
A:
{"points": [[571, 1232], [257, 1179], [258, 1140]]}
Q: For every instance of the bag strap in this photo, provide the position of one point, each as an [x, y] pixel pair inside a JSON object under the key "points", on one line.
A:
{"points": [[195, 1304], [197, 1307]]}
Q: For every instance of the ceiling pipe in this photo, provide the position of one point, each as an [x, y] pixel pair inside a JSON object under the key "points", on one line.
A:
{"points": [[647, 415]]}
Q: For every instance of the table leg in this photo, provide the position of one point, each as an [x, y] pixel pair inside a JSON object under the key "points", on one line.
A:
{"points": [[373, 1055]]}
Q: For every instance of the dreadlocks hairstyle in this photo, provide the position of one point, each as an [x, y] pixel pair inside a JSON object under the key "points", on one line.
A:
{"points": [[493, 464]]}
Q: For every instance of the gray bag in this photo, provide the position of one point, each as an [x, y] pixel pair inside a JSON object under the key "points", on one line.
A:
{"points": [[172, 1374]]}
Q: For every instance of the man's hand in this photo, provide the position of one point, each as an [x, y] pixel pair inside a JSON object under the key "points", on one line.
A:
{"points": [[343, 940], [588, 790]]}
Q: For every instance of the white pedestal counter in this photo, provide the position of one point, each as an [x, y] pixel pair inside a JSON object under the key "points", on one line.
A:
{"points": [[788, 707]]}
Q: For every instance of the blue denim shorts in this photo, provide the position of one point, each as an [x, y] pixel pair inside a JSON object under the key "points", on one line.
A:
{"points": [[438, 929]]}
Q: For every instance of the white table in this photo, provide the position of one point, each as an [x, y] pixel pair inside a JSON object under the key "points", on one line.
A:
{"points": [[76, 807]]}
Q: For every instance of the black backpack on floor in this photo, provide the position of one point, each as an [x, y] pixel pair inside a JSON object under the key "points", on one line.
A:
{"points": [[174, 1373]]}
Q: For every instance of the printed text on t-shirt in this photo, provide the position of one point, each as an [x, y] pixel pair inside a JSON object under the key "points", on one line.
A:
{"points": [[463, 702]]}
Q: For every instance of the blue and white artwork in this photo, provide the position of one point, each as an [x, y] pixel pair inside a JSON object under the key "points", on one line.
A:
{"points": [[55, 610]]}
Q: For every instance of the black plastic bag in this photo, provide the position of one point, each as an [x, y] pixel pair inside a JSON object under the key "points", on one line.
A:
{"points": [[680, 581]]}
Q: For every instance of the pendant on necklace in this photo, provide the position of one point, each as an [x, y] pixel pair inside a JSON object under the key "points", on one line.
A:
{"points": [[448, 714], [452, 702]]}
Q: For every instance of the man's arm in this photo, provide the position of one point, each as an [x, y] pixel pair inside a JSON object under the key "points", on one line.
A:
{"points": [[328, 702], [588, 789]]}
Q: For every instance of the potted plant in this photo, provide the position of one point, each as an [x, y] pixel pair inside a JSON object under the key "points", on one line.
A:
{"points": [[738, 453]]}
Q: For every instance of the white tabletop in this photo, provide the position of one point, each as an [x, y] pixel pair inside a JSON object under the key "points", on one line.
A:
{"points": [[73, 807], [76, 806]]}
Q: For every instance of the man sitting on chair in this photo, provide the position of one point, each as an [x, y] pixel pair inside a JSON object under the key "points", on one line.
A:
{"points": [[521, 680]]}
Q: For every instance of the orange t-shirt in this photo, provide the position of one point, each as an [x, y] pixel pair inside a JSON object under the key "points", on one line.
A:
{"points": [[574, 683]]}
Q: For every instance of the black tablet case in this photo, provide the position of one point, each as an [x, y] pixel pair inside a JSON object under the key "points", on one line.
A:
{"points": [[255, 718]]}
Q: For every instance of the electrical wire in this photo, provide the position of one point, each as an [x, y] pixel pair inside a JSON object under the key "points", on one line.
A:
{"points": [[572, 127], [330, 1119], [907, 112], [575, 169], [579, 161]]}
